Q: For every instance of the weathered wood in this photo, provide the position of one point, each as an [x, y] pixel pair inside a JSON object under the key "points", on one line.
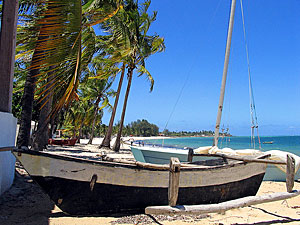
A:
{"points": [[93, 181], [6, 149], [140, 164], [152, 166], [190, 155], [173, 181], [290, 173], [220, 207], [7, 53], [246, 159]]}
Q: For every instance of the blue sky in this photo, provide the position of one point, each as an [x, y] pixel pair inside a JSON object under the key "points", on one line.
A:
{"points": [[195, 37]]}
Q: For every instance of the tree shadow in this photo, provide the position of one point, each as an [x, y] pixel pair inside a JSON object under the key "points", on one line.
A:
{"points": [[24, 202], [285, 219]]}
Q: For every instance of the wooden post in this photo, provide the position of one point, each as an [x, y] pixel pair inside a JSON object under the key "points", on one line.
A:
{"points": [[190, 155], [173, 181], [7, 53], [93, 181], [290, 173]]}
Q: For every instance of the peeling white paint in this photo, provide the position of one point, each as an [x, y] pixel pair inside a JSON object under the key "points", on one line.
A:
{"points": [[8, 125]]}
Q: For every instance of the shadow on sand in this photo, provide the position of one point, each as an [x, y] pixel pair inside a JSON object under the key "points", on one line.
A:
{"points": [[24, 202]]}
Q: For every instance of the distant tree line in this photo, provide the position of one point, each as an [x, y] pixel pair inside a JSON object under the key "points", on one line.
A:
{"points": [[138, 128], [192, 133], [141, 128]]}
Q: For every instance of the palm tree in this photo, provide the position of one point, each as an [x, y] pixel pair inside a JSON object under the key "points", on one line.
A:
{"points": [[40, 138], [76, 116], [106, 141], [98, 91], [59, 28], [46, 55], [141, 46]]}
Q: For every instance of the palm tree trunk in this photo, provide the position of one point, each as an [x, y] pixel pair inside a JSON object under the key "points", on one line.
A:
{"points": [[28, 95], [42, 135], [80, 131], [53, 125], [106, 141], [27, 105], [117, 144], [94, 120]]}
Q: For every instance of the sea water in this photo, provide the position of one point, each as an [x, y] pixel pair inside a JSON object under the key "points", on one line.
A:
{"points": [[285, 143]]}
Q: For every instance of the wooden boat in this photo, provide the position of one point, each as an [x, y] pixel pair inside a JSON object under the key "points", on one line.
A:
{"points": [[59, 141], [80, 186]]}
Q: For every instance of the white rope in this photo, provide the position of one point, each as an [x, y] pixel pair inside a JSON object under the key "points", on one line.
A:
{"points": [[253, 115]]}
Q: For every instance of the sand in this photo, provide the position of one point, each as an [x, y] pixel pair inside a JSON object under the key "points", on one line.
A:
{"points": [[25, 203]]}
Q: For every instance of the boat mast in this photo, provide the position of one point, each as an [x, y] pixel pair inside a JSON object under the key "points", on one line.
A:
{"points": [[225, 69]]}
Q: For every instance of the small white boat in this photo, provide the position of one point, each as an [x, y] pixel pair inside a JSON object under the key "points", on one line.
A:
{"points": [[160, 155]]}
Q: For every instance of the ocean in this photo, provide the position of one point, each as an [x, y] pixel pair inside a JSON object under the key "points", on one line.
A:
{"points": [[285, 143]]}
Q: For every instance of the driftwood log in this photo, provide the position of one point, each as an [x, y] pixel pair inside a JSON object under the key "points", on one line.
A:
{"points": [[220, 207], [173, 188]]}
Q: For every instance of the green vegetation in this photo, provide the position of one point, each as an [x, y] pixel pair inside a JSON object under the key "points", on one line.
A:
{"points": [[141, 128], [206, 133], [188, 133], [65, 71]]}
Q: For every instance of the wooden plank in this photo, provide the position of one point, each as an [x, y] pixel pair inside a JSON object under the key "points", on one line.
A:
{"points": [[220, 207], [290, 173], [139, 164], [247, 159], [6, 149], [173, 181], [7, 53]]}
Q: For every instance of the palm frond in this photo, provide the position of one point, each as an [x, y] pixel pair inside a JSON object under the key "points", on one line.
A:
{"points": [[142, 70]]}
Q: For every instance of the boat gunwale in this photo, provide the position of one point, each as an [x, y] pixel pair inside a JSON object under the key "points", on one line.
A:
{"points": [[137, 165]]}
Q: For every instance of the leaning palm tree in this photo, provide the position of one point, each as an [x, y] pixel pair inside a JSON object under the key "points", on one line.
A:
{"points": [[57, 43], [107, 138], [141, 47], [124, 29], [113, 48], [45, 54]]}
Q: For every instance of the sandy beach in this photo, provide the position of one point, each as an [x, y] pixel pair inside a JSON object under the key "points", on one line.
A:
{"points": [[25, 203]]}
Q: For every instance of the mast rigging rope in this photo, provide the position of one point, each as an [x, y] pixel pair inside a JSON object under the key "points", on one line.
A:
{"points": [[254, 122], [188, 75]]}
